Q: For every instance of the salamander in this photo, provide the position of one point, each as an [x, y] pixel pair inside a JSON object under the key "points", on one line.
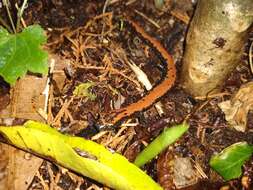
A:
{"points": [[160, 89]]}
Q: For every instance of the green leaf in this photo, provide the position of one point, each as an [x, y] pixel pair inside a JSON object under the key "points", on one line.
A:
{"points": [[82, 90], [21, 52], [82, 156], [228, 163], [167, 137]]}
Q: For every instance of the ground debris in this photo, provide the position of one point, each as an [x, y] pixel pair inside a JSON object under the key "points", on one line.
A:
{"points": [[236, 110]]}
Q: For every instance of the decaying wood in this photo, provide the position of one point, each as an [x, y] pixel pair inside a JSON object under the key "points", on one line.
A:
{"points": [[215, 43]]}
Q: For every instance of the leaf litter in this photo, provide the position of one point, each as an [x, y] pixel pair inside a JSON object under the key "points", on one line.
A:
{"points": [[90, 50]]}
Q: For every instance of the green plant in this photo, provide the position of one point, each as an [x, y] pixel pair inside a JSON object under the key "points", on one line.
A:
{"points": [[167, 137], [80, 155], [228, 163], [20, 52]]}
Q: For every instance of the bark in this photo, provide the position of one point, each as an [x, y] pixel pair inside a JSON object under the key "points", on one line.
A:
{"points": [[215, 43]]}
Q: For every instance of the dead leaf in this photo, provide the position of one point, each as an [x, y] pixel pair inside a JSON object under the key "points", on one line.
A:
{"points": [[236, 109], [17, 168], [26, 99], [184, 174]]}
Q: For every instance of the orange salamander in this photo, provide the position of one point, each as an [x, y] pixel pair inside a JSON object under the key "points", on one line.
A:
{"points": [[160, 89]]}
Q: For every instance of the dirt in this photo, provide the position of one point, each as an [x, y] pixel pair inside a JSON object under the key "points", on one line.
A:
{"points": [[95, 52]]}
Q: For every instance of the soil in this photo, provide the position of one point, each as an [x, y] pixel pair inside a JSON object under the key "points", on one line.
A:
{"points": [[96, 45]]}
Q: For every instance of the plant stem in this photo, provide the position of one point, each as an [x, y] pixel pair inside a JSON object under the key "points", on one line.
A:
{"points": [[5, 24], [20, 13], [6, 3]]}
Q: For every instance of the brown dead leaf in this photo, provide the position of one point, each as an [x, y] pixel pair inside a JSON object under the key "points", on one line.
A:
{"points": [[236, 109], [26, 99], [184, 174], [17, 168]]}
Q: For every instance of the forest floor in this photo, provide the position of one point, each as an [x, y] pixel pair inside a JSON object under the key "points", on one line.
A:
{"points": [[91, 43]]}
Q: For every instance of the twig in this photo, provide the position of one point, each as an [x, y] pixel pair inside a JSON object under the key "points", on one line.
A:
{"points": [[42, 182], [114, 71], [20, 13], [21, 19], [47, 87], [50, 116], [183, 17], [104, 10], [212, 96], [130, 2], [148, 19], [201, 106], [143, 78], [94, 187], [60, 114], [5, 24], [5, 3], [105, 5], [113, 1], [119, 133], [23, 23], [199, 169], [52, 184]]}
